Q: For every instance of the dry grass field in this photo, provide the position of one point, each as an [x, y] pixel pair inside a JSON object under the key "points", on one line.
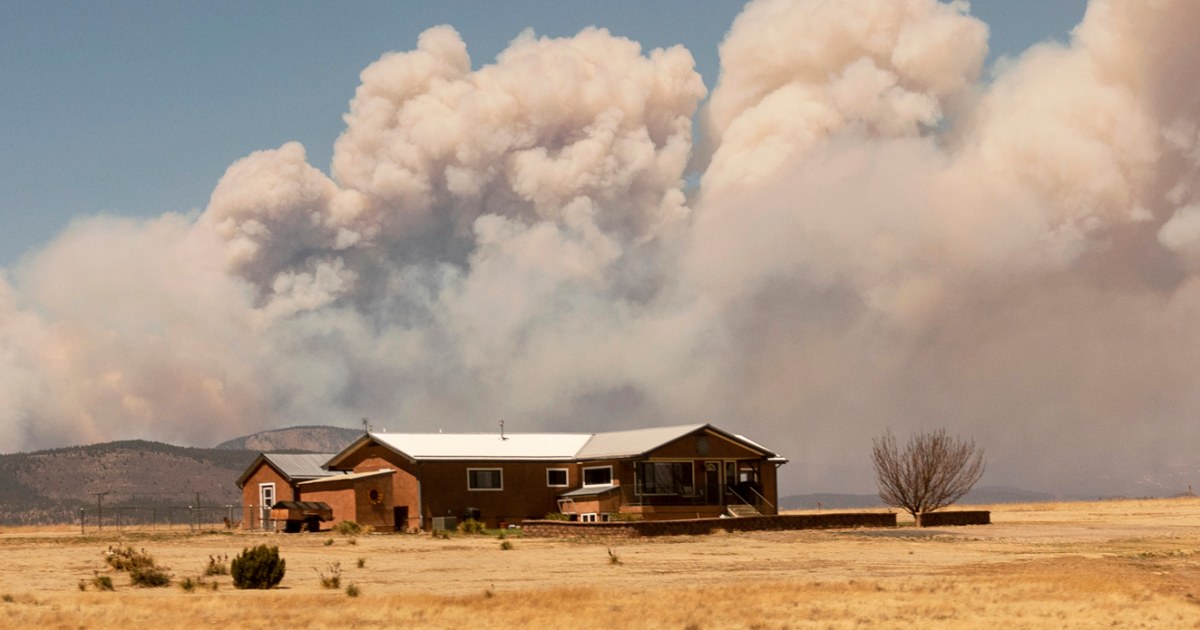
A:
{"points": [[1126, 564]]}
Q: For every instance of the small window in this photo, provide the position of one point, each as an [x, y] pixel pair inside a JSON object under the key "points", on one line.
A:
{"points": [[599, 476], [556, 477], [484, 479], [590, 517]]}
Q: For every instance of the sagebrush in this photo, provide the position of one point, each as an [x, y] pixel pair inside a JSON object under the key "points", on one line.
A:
{"points": [[258, 567]]}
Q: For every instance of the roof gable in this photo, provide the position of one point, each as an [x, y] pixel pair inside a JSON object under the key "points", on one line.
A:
{"points": [[293, 467]]}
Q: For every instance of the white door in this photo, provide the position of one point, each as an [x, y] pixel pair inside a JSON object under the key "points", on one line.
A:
{"points": [[266, 498]]}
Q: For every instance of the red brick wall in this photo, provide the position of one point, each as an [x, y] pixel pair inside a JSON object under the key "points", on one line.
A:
{"points": [[525, 494]]}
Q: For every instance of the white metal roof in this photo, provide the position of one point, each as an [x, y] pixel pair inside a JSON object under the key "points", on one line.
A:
{"points": [[485, 445], [535, 446], [632, 442]]}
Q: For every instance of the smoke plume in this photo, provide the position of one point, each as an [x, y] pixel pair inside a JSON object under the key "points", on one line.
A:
{"points": [[886, 233]]}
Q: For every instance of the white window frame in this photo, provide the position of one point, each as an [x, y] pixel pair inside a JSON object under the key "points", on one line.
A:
{"points": [[566, 474], [499, 470], [264, 511], [584, 476], [587, 517]]}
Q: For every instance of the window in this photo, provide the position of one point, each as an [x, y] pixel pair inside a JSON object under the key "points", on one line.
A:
{"points": [[598, 476], [590, 517], [556, 477], [665, 478], [484, 479]]}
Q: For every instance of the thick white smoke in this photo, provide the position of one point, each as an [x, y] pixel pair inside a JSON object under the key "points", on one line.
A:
{"points": [[880, 238]]}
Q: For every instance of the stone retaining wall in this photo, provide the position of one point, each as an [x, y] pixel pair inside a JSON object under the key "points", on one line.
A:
{"points": [[695, 527], [956, 517]]}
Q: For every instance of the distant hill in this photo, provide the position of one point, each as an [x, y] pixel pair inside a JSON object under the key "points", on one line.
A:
{"points": [[985, 495], [314, 439], [51, 486]]}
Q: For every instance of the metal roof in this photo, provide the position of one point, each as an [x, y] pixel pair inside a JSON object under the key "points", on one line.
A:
{"points": [[534, 446], [300, 466], [544, 446], [589, 491], [633, 442]]}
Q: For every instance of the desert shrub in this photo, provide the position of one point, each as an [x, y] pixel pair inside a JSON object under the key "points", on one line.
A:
{"points": [[506, 545], [622, 517], [102, 583], [260, 567], [471, 526], [151, 576], [82, 585], [217, 565], [8, 598], [329, 543], [349, 528], [613, 558], [352, 590], [362, 562], [188, 584], [558, 516], [334, 579], [442, 534], [128, 558]]}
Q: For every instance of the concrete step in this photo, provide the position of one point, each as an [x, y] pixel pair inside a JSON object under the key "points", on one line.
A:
{"points": [[741, 510]]}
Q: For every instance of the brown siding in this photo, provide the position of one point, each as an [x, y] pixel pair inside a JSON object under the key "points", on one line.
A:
{"points": [[405, 490], [525, 494]]}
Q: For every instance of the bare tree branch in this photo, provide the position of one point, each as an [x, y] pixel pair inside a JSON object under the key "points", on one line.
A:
{"points": [[932, 471]]}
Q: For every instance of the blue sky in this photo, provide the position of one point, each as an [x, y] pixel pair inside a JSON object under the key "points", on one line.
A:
{"points": [[138, 108]]}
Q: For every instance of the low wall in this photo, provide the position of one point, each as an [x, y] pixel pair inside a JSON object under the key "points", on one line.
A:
{"points": [[956, 517], [695, 527]]}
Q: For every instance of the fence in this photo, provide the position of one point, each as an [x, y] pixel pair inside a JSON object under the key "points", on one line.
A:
{"points": [[162, 517]]}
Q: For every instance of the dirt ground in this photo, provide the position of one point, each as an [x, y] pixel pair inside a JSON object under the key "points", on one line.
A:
{"points": [[1103, 564]]}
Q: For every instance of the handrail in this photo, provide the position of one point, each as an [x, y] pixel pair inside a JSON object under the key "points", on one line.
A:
{"points": [[762, 497]]}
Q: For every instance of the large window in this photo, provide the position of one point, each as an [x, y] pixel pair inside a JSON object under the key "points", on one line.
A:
{"points": [[556, 477], [598, 476], [665, 478], [485, 479]]}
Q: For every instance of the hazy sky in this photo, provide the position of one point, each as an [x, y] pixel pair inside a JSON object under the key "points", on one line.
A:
{"points": [[801, 220], [138, 108]]}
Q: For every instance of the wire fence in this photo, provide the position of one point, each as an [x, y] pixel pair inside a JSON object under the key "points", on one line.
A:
{"points": [[161, 517]]}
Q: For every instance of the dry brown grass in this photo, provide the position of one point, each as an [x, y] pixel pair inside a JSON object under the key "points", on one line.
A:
{"points": [[1122, 564]]}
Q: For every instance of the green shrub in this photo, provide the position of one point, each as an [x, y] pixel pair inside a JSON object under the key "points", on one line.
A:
{"points": [[102, 583], [558, 516], [260, 567], [352, 590], [188, 584], [151, 576], [506, 545], [349, 528], [329, 543], [471, 526], [127, 558]]}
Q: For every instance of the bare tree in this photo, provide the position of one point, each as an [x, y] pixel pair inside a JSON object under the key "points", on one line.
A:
{"points": [[934, 470]]}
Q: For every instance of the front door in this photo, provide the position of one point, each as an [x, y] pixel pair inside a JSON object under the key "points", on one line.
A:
{"points": [[266, 498], [400, 518], [712, 483]]}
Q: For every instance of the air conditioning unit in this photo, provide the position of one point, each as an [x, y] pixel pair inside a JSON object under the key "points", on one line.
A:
{"points": [[445, 523]]}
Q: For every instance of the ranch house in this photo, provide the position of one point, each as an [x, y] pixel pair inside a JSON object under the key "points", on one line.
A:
{"points": [[407, 481]]}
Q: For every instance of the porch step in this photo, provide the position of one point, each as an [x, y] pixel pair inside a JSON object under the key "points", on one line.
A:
{"points": [[741, 510]]}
